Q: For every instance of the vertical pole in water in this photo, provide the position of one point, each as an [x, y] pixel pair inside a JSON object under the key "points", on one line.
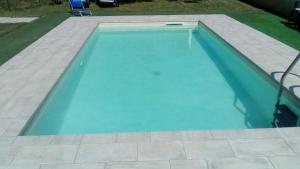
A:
{"points": [[277, 106], [281, 87], [283, 78]]}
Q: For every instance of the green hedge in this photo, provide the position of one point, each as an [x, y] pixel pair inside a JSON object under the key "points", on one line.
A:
{"points": [[279, 7], [22, 4]]}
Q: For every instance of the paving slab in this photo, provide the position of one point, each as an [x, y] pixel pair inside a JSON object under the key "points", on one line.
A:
{"points": [[29, 155], [208, 149], [73, 166], [195, 135], [166, 136], [290, 132], [240, 163], [284, 162], [66, 140], [6, 20], [134, 137], [7, 154], [261, 147], [5, 141], [32, 141], [294, 143], [138, 165], [45, 155], [161, 151], [107, 152], [98, 138], [188, 164], [19, 166], [245, 134]]}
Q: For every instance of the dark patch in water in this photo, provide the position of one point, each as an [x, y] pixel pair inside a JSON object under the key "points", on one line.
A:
{"points": [[156, 73]]}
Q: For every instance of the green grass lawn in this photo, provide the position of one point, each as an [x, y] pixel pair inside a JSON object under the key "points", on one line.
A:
{"points": [[15, 37], [8, 28], [139, 7]]}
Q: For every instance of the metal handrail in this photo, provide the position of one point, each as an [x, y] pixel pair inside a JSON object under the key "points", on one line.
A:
{"points": [[282, 80]]}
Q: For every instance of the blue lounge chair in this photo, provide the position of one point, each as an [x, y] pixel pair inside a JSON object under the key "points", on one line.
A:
{"points": [[77, 7]]}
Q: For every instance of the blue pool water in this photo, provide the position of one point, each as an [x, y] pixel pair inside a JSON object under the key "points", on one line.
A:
{"points": [[164, 78]]}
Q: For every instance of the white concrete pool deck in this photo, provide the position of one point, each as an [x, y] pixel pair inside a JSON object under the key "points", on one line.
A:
{"points": [[26, 79], [7, 20]]}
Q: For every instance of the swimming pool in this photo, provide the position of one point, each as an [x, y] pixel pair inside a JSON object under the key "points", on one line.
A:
{"points": [[132, 78]]}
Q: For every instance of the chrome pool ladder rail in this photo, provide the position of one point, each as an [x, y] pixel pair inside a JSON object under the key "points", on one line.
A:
{"points": [[283, 78]]}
